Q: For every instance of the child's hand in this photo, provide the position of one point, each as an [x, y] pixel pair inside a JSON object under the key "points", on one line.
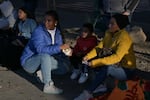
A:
{"points": [[86, 63], [89, 64], [85, 59]]}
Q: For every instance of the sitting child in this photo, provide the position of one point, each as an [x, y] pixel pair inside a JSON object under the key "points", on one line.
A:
{"points": [[120, 63], [85, 43]]}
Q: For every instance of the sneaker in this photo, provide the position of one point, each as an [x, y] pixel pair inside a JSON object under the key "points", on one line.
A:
{"points": [[100, 88], [3, 68], [75, 74], [84, 96], [83, 78], [51, 89], [39, 76]]}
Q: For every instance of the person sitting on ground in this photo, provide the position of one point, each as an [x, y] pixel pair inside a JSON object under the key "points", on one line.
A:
{"points": [[120, 64], [8, 17], [44, 52], [24, 27], [16, 39], [85, 43]]}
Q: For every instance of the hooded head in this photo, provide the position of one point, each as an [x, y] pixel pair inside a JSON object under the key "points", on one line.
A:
{"points": [[121, 20]]}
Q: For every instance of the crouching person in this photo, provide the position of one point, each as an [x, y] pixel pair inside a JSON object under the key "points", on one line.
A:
{"points": [[44, 50], [117, 39]]}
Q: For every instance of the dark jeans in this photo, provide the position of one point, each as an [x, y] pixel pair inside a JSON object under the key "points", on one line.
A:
{"points": [[9, 54], [76, 61], [116, 72]]}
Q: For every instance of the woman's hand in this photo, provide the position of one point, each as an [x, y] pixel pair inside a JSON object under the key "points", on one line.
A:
{"points": [[64, 46], [127, 13]]}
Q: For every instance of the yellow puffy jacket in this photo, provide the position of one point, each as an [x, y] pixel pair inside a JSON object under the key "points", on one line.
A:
{"points": [[122, 46]]}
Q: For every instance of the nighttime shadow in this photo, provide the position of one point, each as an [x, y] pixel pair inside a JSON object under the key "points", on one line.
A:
{"points": [[70, 87], [142, 74], [29, 77]]}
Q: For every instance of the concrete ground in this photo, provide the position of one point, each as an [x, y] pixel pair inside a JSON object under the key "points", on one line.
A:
{"points": [[19, 85]]}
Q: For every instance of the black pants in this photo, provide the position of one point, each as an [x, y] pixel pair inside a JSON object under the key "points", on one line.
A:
{"points": [[76, 61], [9, 54]]}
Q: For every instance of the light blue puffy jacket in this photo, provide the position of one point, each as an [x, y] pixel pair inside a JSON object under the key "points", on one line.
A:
{"points": [[41, 42]]}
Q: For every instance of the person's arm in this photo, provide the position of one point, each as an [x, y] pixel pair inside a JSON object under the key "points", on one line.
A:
{"points": [[76, 47], [41, 46], [131, 5], [93, 53], [92, 42], [27, 28], [33, 25], [122, 48]]}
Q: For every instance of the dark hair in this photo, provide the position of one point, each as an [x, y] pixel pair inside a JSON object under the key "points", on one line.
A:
{"points": [[122, 20], [24, 9], [89, 26], [52, 13]]}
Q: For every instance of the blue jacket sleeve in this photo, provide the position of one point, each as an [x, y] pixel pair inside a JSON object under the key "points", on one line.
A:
{"points": [[42, 43]]}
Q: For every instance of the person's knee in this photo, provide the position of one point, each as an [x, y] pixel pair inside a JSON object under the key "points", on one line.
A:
{"points": [[45, 56], [116, 72], [30, 71], [47, 59]]}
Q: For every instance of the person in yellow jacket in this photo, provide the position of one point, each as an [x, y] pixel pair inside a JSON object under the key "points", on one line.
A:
{"points": [[120, 64]]}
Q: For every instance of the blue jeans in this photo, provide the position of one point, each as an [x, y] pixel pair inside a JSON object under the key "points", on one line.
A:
{"points": [[112, 70], [46, 63]]}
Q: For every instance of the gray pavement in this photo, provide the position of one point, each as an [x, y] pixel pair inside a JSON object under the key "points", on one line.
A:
{"points": [[19, 85]]}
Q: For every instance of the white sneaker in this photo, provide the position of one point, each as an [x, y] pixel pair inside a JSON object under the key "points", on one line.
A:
{"points": [[75, 74], [100, 88], [83, 78], [51, 89], [84, 96], [39, 76]]}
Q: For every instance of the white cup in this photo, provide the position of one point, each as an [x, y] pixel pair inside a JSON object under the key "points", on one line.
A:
{"points": [[67, 52]]}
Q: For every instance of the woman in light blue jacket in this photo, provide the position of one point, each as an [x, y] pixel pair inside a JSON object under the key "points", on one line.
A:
{"points": [[25, 26], [16, 38], [44, 50]]}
